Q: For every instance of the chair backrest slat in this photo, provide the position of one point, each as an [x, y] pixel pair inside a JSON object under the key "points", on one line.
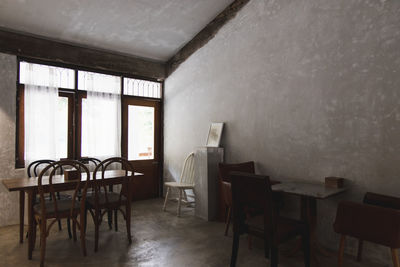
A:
{"points": [[187, 175], [33, 167]]}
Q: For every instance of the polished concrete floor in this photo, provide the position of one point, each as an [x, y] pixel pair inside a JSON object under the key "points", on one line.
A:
{"points": [[159, 239]]}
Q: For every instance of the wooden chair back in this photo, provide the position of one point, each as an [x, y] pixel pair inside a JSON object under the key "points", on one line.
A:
{"points": [[224, 169], [100, 187], [251, 192], [33, 167], [187, 174], [51, 188], [92, 162]]}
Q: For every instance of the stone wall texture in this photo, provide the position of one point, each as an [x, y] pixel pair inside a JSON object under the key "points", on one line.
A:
{"points": [[9, 211], [307, 89]]}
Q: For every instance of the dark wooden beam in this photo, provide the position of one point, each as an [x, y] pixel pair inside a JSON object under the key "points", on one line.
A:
{"points": [[43, 49], [205, 35]]}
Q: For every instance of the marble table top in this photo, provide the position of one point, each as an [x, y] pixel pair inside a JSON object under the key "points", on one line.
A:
{"points": [[315, 190]]}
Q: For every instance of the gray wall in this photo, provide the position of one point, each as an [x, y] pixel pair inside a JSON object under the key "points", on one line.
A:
{"points": [[307, 89], [8, 201]]}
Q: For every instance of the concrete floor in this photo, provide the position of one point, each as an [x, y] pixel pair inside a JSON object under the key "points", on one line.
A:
{"points": [[159, 239]]}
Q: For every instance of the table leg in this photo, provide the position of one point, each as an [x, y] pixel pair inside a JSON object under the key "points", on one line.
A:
{"points": [[308, 213], [30, 223], [21, 215]]}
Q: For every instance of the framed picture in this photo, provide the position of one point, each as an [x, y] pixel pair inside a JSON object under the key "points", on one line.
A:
{"points": [[214, 134]]}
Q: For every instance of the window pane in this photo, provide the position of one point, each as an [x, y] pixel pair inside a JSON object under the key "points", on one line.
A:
{"points": [[101, 124], [46, 124], [140, 132], [43, 75], [92, 81], [143, 88]]}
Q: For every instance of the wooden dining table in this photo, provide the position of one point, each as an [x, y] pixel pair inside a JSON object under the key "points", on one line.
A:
{"points": [[30, 187], [309, 193]]}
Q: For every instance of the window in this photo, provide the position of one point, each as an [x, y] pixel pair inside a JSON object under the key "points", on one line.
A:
{"points": [[71, 113], [137, 87]]}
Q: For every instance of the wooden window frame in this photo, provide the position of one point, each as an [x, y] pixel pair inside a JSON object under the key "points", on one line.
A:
{"points": [[75, 97]]}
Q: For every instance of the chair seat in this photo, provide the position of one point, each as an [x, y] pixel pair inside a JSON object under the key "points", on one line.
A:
{"points": [[113, 198], [63, 206], [60, 197], [179, 185], [286, 227]]}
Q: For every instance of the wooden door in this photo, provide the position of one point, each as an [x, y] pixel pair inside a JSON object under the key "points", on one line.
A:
{"points": [[141, 139]]}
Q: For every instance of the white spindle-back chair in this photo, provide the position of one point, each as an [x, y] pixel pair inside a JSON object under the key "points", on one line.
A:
{"points": [[186, 182]]}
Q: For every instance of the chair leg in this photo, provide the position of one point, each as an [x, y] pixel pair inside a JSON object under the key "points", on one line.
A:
{"points": [[42, 242], [360, 248], [74, 229], [59, 225], [109, 217], [395, 258], [305, 240], [179, 202], [69, 228], [227, 221], [341, 250], [166, 199], [83, 232], [128, 223], [235, 248], [273, 258], [266, 248], [96, 230], [116, 220], [249, 242], [34, 234]]}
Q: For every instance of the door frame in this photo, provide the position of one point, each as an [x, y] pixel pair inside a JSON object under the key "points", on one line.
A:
{"points": [[158, 134]]}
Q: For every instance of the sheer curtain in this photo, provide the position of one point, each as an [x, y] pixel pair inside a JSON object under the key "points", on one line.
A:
{"points": [[46, 122], [101, 115]]}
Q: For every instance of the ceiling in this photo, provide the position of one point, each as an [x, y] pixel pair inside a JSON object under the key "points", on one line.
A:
{"points": [[153, 29]]}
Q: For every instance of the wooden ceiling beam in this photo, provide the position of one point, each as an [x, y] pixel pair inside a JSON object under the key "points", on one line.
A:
{"points": [[205, 35], [43, 49]]}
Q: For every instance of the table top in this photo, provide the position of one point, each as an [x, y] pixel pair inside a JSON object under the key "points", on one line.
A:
{"points": [[314, 190], [17, 184]]}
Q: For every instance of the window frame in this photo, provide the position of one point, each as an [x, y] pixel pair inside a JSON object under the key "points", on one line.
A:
{"points": [[75, 97]]}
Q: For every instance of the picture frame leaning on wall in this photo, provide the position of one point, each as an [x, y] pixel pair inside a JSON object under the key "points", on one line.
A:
{"points": [[214, 134]]}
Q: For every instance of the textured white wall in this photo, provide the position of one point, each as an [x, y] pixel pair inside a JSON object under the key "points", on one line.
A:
{"points": [[307, 89], [9, 211]]}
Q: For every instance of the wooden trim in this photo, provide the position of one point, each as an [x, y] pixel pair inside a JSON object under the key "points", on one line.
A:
{"points": [[71, 124], [20, 128], [161, 161], [78, 124], [35, 47], [205, 35]]}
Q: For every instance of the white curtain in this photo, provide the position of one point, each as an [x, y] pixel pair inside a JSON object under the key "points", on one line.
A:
{"points": [[101, 125], [46, 122]]}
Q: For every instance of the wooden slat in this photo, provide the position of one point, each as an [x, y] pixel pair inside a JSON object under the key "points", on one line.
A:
{"points": [[43, 49], [205, 35]]}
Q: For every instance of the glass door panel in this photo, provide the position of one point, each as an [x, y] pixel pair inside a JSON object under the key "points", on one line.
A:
{"points": [[140, 132]]}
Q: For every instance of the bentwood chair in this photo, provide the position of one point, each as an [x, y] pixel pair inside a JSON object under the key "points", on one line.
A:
{"points": [[225, 184], [103, 200], [33, 170], [253, 192], [186, 182], [58, 209]]}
